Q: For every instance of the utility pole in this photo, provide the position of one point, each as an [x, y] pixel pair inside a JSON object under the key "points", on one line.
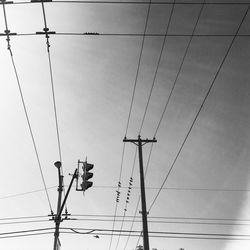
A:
{"points": [[60, 205], [58, 217], [140, 142]]}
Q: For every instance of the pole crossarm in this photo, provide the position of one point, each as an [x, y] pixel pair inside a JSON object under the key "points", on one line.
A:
{"points": [[136, 141]]}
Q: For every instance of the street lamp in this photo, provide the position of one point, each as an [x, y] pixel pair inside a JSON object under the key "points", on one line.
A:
{"points": [[58, 164]]}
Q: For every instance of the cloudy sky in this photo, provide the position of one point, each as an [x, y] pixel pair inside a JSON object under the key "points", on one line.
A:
{"points": [[197, 91]]}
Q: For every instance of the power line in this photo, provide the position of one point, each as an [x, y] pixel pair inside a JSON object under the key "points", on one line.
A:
{"points": [[24, 193], [135, 187], [177, 76], [97, 34], [180, 68], [177, 237], [24, 217], [7, 31], [130, 2], [128, 195], [27, 231], [164, 217], [164, 222], [96, 230], [47, 32], [150, 94], [157, 66], [22, 222], [138, 66], [117, 193], [131, 105], [200, 108], [188, 235], [24, 235]]}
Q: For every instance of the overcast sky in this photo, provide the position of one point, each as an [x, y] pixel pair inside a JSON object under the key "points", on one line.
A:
{"points": [[94, 78]]}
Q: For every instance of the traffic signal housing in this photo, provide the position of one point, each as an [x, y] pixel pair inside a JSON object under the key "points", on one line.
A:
{"points": [[86, 176]]}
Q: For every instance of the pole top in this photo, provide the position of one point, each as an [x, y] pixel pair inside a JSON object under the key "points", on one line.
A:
{"points": [[58, 164]]}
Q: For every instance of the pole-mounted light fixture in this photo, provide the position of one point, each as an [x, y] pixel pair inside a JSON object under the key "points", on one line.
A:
{"points": [[58, 164]]}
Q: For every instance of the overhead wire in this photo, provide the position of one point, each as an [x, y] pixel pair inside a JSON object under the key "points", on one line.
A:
{"points": [[180, 68], [131, 105], [134, 187], [201, 106], [178, 73], [24, 193], [24, 235], [117, 194], [157, 66], [27, 231], [177, 76], [7, 31], [151, 232], [165, 217], [150, 221], [176, 237], [47, 32], [138, 66], [22, 222], [171, 236], [149, 98], [156, 233], [128, 197], [24, 217], [100, 34], [97, 230], [130, 2]]}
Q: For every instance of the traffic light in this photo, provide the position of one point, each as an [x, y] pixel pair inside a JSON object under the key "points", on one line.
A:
{"points": [[86, 176]]}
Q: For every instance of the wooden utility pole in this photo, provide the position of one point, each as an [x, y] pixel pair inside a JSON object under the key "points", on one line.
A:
{"points": [[140, 142]]}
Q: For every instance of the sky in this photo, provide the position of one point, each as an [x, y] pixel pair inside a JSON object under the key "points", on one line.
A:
{"points": [[201, 157]]}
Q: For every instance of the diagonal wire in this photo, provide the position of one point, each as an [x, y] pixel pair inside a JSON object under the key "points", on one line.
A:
{"points": [[138, 241], [25, 108], [149, 97], [30, 129], [130, 110], [201, 107], [138, 66], [127, 201], [46, 30], [52, 83], [157, 67], [180, 68], [117, 197]]}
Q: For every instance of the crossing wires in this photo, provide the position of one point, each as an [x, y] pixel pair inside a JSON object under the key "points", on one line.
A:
{"points": [[176, 78], [7, 32], [148, 101], [129, 114], [201, 106], [47, 33]]}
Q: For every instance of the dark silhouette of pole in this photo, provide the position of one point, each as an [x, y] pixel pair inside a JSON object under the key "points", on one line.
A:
{"points": [[139, 142], [60, 205], [58, 216]]}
